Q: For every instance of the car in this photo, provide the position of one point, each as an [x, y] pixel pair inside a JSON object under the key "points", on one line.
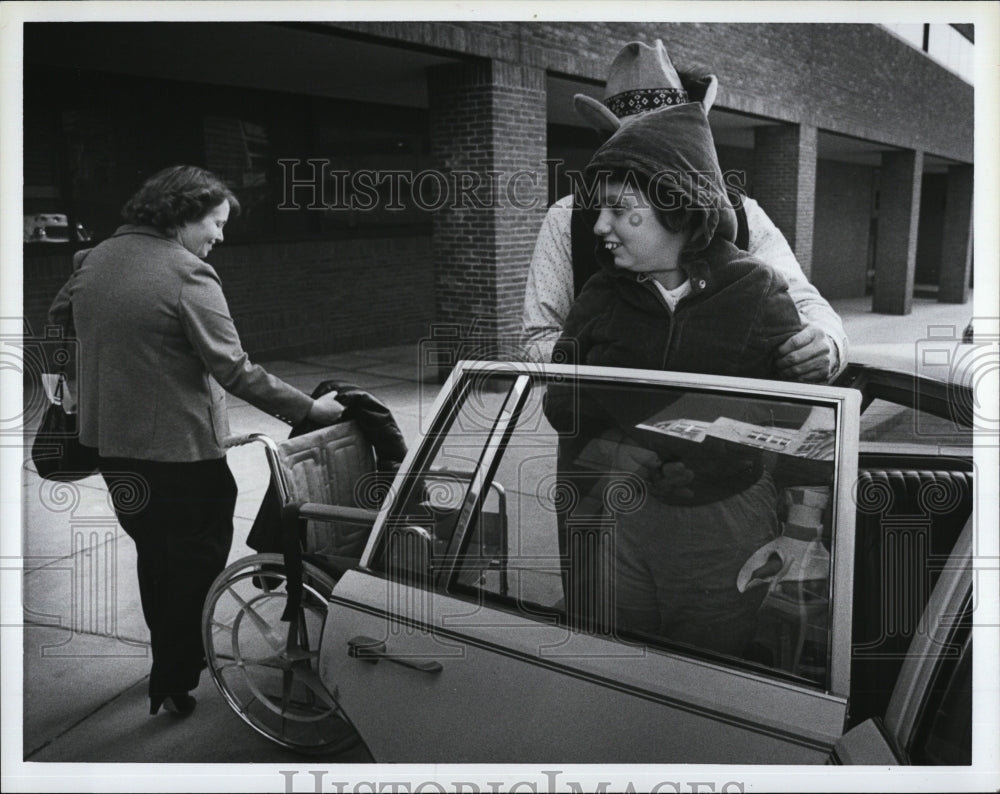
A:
{"points": [[470, 629], [53, 227]]}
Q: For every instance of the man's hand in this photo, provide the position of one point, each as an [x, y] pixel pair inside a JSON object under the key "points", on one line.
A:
{"points": [[326, 410], [809, 356]]}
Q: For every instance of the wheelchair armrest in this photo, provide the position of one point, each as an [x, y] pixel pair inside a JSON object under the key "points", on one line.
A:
{"points": [[315, 511]]}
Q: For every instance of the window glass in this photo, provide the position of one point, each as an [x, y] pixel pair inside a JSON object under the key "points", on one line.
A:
{"points": [[86, 153], [421, 528], [886, 422], [678, 518], [238, 151]]}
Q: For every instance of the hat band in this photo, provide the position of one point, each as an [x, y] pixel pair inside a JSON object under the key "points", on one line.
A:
{"points": [[639, 100]]}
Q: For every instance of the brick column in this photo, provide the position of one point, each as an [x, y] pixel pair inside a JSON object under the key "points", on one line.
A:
{"points": [[488, 136], [898, 221], [785, 183], [956, 247]]}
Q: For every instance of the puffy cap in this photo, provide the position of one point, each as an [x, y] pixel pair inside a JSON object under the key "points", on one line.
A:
{"points": [[674, 147]]}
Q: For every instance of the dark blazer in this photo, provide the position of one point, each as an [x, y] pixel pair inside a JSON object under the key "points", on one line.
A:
{"points": [[157, 350]]}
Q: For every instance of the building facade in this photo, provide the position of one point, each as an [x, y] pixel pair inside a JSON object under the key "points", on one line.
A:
{"points": [[393, 175]]}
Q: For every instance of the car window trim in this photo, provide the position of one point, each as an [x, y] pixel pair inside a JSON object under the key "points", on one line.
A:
{"points": [[449, 397], [484, 472], [844, 400], [952, 401], [942, 619], [846, 403]]}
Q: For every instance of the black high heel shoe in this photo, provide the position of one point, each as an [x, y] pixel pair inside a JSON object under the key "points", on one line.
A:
{"points": [[180, 703]]}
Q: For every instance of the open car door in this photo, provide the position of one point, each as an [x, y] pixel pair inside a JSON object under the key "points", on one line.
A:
{"points": [[467, 634], [929, 718]]}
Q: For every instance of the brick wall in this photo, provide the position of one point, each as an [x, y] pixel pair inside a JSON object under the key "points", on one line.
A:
{"points": [[956, 247], [841, 233], [932, 209], [45, 271], [899, 208], [858, 79], [291, 298], [487, 116], [785, 183]]}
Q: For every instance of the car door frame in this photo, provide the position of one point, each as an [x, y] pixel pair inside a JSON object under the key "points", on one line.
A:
{"points": [[885, 741], [845, 401]]}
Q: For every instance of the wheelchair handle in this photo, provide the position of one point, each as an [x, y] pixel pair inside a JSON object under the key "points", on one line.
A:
{"points": [[273, 461]]}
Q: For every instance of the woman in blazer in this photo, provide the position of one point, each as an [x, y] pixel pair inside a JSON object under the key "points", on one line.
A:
{"points": [[158, 350]]}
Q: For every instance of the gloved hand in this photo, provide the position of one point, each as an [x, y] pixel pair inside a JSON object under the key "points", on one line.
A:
{"points": [[785, 559]]}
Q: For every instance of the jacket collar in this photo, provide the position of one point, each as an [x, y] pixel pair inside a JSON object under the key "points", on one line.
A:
{"points": [[148, 231], [698, 268]]}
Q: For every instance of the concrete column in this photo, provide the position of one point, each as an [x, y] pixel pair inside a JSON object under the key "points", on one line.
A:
{"points": [[898, 221], [488, 137], [785, 183], [956, 246]]}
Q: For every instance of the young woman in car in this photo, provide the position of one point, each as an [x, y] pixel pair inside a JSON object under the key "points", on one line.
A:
{"points": [[674, 293]]}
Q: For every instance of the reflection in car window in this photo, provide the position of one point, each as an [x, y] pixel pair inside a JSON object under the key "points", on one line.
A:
{"points": [[712, 517], [422, 526], [886, 422], [679, 518]]}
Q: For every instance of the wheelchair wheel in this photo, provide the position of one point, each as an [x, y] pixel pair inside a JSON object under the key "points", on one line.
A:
{"points": [[268, 669]]}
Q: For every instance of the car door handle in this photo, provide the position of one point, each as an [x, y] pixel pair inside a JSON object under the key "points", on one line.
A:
{"points": [[371, 650]]}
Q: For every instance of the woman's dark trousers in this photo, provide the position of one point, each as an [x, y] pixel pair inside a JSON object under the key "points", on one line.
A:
{"points": [[180, 516]]}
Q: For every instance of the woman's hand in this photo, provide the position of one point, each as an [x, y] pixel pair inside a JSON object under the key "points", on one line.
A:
{"points": [[326, 410]]}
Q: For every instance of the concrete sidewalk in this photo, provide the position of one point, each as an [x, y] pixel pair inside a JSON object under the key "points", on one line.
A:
{"points": [[85, 643]]}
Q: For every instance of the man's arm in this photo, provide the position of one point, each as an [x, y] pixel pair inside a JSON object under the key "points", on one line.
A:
{"points": [[548, 294], [819, 351]]}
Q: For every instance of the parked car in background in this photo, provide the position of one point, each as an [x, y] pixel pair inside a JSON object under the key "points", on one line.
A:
{"points": [[53, 227], [449, 639]]}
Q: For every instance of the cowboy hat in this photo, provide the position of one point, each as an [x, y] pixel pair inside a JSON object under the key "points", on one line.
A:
{"points": [[641, 78]]}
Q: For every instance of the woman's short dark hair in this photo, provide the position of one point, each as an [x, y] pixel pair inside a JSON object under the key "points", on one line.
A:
{"points": [[176, 195]]}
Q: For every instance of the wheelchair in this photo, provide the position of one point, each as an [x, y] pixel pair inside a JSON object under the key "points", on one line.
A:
{"points": [[262, 630], [267, 667]]}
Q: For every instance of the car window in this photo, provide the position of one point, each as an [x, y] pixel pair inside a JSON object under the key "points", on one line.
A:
{"points": [[671, 517], [884, 422]]}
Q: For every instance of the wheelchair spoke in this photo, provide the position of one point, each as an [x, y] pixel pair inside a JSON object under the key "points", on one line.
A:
{"points": [[273, 638], [308, 678], [276, 662], [277, 689]]}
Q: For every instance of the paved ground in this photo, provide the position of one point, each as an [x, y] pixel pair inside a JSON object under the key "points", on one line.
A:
{"points": [[85, 656]]}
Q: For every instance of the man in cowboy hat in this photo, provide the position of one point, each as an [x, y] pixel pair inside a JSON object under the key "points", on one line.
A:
{"points": [[642, 78]]}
